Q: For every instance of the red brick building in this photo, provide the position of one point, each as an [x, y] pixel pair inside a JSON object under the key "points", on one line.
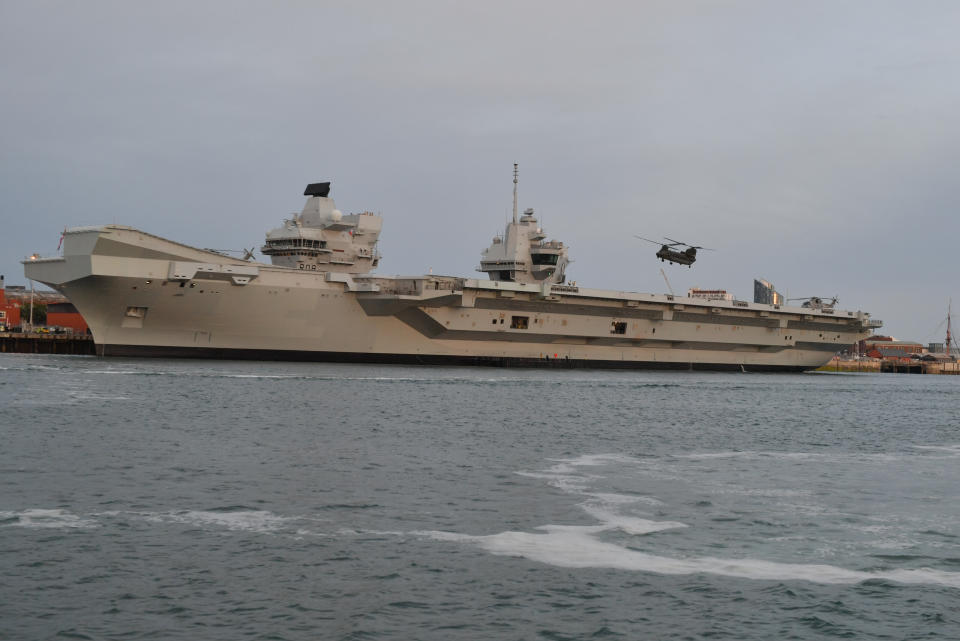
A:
{"points": [[66, 315], [9, 310], [886, 347]]}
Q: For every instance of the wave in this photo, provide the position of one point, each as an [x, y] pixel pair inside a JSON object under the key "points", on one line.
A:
{"points": [[440, 377], [88, 396], [46, 519], [582, 546], [952, 450], [611, 520], [232, 518], [928, 451], [574, 547], [305, 377]]}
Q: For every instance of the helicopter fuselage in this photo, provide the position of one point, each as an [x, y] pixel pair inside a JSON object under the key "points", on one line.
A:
{"points": [[686, 257]]}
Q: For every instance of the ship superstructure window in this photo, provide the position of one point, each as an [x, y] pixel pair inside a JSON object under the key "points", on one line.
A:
{"points": [[299, 242], [290, 247], [545, 259], [618, 327], [519, 322]]}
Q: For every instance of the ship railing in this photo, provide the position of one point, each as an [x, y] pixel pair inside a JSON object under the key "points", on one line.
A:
{"points": [[277, 247], [442, 283], [502, 264], [401, 286]]}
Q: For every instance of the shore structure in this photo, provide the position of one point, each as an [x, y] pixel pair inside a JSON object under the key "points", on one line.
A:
{"points": [[32, 343], [143, 295], [892, 366]]}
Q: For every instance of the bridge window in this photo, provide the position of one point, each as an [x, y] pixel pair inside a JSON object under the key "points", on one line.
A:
{"points": [[544, 259], [618, 327], [519, 322]]}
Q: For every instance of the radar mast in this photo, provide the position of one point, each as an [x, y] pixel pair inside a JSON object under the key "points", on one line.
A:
{"points": [[515, 173], [523, 254]]}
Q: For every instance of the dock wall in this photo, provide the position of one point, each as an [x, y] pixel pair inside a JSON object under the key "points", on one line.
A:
{"points": [[892, 366], [47, 344]]}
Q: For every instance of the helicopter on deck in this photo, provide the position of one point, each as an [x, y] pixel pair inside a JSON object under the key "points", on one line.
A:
{"points": [[667, 252], [816, 302]]}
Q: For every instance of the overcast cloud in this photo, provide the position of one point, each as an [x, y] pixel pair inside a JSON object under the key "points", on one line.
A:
{"points": [[814, 144]]}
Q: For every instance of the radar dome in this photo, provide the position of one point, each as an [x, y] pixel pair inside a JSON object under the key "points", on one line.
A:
{"points": [[336, 215]]}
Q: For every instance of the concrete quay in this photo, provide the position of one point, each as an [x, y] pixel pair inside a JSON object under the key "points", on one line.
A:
{"points": [[892, 366]]}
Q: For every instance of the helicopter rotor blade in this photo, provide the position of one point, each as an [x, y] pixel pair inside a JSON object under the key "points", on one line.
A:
{"points": [[655, 242]]}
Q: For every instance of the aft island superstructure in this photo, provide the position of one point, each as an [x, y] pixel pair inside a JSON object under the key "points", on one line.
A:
{"points": [[143, 295]]}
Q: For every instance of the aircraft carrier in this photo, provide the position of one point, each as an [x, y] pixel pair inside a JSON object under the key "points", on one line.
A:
{"points": [[143, 295]]}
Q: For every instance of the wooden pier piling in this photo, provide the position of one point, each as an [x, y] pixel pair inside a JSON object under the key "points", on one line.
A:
{"points": [[68, 344]]}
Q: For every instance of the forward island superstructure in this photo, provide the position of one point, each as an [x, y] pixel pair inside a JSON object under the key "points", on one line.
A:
{"points": [[143, 295]]}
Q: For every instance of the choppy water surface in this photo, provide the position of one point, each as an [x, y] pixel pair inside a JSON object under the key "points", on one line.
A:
{"points": [[221, 500]]}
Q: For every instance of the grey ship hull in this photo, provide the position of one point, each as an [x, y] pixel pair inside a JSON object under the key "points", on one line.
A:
{"points": [[141, 351], [143, 295]]}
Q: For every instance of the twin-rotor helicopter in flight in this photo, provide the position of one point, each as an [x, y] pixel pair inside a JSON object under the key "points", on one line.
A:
{"points": [[671, 252]]}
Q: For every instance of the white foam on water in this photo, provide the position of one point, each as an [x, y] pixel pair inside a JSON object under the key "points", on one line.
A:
{"points": [[578, 546], [283, 376], [350, 532], [48, 519], [87, 396], [259, 521], [566, 475], [623, 499], [603, 506], [569, 483], [611, 520], [786, 456], [947, 451], [28, 368], [110, 371], [193, 374], [946, 448], [706, 456], [770, 492], [575, 547], [452, 537], [594, 460]]}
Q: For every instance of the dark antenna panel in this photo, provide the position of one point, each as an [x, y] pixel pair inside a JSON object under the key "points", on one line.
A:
{"points": [[317, 189]]}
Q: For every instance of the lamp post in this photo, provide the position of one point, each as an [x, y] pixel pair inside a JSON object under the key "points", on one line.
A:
{"points": [[30, 328]]}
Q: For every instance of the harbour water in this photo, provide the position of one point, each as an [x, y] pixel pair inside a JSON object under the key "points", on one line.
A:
{"points": [[145, 499]]}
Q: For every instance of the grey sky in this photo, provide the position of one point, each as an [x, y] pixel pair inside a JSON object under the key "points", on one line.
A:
{"points": [[812, 143]]}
